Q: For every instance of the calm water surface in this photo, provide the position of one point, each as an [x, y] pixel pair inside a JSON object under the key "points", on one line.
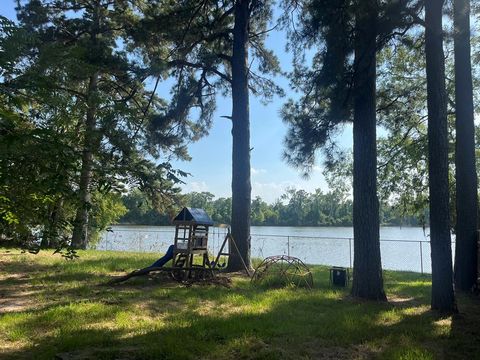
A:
{"points": [[403, 248]]}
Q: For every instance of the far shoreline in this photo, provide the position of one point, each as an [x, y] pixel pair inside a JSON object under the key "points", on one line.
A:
{"points": [[281, 226]]}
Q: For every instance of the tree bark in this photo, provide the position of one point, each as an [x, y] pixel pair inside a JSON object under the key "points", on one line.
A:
{"points": [[241, 187], [80, 230], [465, 173], [367, 267], [441, 252], [50, 238]]}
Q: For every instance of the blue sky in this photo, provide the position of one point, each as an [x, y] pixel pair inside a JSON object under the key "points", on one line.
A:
{"points": [[210, 167]]}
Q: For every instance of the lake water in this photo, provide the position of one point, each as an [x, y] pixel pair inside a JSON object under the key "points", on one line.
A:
{"points": [[403, 248]]}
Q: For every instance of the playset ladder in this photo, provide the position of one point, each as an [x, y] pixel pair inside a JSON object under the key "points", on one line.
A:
{"points": [[231, 240]]}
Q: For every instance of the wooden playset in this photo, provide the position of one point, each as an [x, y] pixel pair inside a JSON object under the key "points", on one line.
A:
{"points": [[189, 252]]}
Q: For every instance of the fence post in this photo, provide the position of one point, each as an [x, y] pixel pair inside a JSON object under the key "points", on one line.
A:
{"points": [[288, 245], [350, 247], [421, 257]]}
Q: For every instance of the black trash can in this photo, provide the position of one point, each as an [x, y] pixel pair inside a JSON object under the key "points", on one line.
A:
{"points": [[339, 276]]}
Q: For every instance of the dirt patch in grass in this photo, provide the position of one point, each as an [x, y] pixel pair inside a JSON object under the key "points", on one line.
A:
{"points": [[16, 292], [165, 277], [403, 302], [217, 280], [16, 300]]}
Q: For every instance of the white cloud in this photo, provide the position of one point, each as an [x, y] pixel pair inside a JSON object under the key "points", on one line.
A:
{"points": [[270, 191], [269, 185], [197, 186], [257, 171]]}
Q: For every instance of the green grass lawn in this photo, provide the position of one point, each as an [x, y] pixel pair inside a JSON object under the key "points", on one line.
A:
{"points": [[51, 306]]}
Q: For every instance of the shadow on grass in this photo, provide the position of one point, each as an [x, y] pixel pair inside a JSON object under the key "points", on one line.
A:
{"points": [[149, 319], [306, 326], [465, 330]]}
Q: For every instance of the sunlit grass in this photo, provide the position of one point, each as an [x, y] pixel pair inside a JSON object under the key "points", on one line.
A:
{"points": [[65, 307]]}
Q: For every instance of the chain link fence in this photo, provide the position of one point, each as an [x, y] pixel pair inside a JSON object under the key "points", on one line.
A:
{"points": [[138, 240], [403, 255]]}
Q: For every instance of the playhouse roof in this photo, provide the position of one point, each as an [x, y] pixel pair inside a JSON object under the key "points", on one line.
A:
{"points": [[193, 215]]}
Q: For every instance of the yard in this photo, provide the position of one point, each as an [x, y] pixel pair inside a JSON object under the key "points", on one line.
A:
{"points": [[53, 307]]}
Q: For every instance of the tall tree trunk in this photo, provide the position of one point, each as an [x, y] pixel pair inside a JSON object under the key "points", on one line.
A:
{"points": [[367, 267], [50, 238], [80, 230], [440, 242], [465, 174], [241, 187]]}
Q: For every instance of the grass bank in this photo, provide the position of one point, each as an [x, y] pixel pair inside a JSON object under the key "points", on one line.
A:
{"points": [[50, 306]]}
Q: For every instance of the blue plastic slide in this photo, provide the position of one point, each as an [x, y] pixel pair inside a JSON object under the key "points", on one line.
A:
{"points": [[164, 259]]}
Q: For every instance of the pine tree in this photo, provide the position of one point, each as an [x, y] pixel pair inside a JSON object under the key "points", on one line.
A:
{"points": [[241, 186], [213, 40], [440, 242], [367, 268], [336, 90], [465, 167], [83, 52]]}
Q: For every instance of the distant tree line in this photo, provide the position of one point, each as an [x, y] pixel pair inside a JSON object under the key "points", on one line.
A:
{"points": [[293, 208]]}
